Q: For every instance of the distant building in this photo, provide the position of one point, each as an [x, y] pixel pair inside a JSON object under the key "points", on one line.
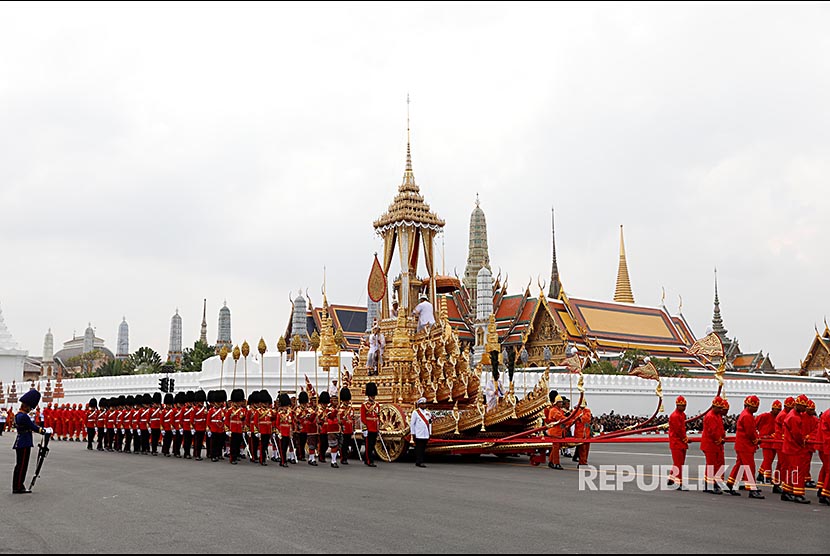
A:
{"points": [[174, 353], [224, 339], [67, 358], [122, 347]]}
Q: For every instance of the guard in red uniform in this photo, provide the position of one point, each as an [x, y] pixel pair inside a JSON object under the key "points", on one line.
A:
{"points": [[250, 418], [323, 400], [128, 424], [312, 426], [778, 475], [369, 417], [678, 442], [824, 452], [187, 422], [178, 427], [794, 450], [155, 423], [766, 432], [216, 425], [746, 443], [555, 416], [167, 424], [332, 418], [119, 423], [200, 413], [712, 441], [91, 420], [100, 421], [235, 423], [346, 424], [285, 424], [262, 425]]}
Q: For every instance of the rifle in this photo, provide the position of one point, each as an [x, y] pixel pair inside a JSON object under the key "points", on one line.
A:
{"points": [[42, 452]]}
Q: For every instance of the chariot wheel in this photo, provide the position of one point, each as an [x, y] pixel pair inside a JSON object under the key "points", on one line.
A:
{"points": [[394, 430]]}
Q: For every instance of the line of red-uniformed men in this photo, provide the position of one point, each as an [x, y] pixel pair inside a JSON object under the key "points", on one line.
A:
{"points": [[304, 429], [792, 434]]}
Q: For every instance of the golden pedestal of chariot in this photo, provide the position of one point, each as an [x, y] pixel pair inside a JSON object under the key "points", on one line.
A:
{"points": [[431, 364]]}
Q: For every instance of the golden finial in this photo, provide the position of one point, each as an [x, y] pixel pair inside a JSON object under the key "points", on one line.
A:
{"points": [[281, 345], [223, 353], [236, 353], [297, 343], [261, 347], [623, 293], [315, 340], [339, 338], [246, 349]]}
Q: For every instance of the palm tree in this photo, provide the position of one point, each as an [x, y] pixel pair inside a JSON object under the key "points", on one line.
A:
{"points": [[145, 361]]}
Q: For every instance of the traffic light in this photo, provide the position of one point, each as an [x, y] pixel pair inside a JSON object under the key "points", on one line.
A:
{"points": [[164, 384], [172, 384]]}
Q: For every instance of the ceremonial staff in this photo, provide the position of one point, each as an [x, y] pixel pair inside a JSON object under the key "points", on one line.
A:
{"points": [[296, 346], [262, 348], [236, 354], [315, 343], [223, 354], [246, 350], [281, 346]]}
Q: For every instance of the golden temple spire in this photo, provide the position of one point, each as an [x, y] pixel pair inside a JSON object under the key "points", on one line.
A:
{"points": [[623, 293], [408, 175]]}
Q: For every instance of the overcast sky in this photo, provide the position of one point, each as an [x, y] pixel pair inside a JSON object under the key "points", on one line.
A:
{"points": [[155, 155]]}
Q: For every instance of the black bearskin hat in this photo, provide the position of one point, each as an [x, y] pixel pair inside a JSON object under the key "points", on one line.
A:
{"points": [[345, 394], [180, 398], [552, 396], [169, 399], [265, 397], [303, 398], [93, 403], [199, 396], [371, 389], [157, 398], [324, 398], [285, 401], [190, 396], [237, 395]]}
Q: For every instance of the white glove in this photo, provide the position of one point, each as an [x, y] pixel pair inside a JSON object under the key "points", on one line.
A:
{"points": [[48, 430], [181, 432], [138, 432], [258, 435], [248, 434], [209, 434], [163, 432], [364, 433], [192, 431], [123, 431], [174, 432], [228, 433]]}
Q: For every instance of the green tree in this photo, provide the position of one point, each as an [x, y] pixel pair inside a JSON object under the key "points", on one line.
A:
{"points": [[145, 361], [87, 362], [192, 358]]}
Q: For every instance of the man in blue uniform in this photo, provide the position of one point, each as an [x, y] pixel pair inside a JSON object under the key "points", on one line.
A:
{"points": [[23, 444]]}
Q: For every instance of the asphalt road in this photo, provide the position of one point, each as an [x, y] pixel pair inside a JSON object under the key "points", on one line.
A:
{"points": [[101, 502]]}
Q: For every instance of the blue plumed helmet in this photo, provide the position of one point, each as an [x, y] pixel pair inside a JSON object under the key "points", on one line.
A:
{"points": [[31, 398]]}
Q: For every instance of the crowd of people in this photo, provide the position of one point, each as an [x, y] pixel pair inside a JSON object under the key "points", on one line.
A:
{"points": [[311, 428], [612, 422], [306, 428]]}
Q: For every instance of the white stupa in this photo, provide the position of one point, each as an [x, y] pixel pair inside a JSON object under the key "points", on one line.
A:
{"points": [[11, 356]]}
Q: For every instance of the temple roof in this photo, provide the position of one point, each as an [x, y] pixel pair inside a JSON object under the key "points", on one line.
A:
{"points": [[350, 319]]}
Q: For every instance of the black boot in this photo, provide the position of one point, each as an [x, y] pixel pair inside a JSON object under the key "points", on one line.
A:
{"points": [[732, 492], [800, 500], [787, 497], [756, 494], [717, 490], [776, 489], [824, 500]]}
